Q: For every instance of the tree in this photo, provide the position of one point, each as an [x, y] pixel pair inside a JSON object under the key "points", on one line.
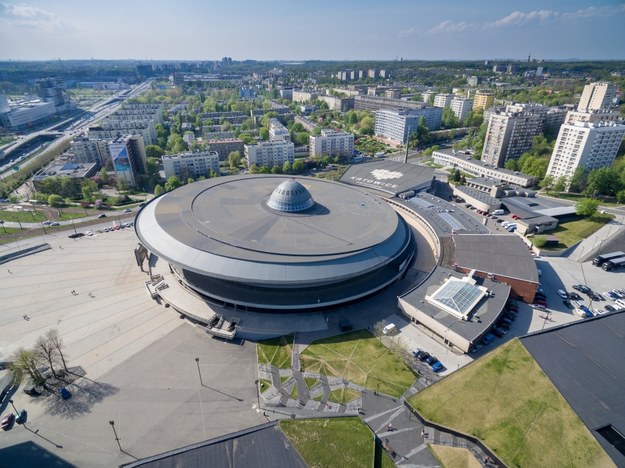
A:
{"points": [[604, 180], [512, 165], [287, 167], [26, 361], [190, 180], [234, 159], [449, 118], [89, 187], [547, 183], [47, 352], [55, 340], [158, 190], [104, 176], [122, 185], [254, 169], [298, 166], [153, 151], [620, 196], [560, 184], [276, 170], [578, 180], [55, 200], [264, 133], [172, 183], [587, 207]]}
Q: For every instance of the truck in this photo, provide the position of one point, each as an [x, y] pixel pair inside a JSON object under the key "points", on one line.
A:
{"points": [[601, 259], [614, 264]]}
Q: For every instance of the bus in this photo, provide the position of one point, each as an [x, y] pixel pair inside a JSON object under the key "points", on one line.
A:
{"points": [[613, 264], [601, 259]]}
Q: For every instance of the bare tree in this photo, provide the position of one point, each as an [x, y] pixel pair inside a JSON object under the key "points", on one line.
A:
{"points": [[26, 361], [55, 340], [47, 352]]}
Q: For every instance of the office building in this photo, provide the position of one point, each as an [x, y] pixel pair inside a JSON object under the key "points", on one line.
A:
{"points": [[23, 114], [511, 133], [588, 144], [270, 153], [443, 100], [277, 131], [483, 100], [50, 90], [332, 143], [129, 158], [461, 107], [196, 164], [597, 96], [394, 125]]}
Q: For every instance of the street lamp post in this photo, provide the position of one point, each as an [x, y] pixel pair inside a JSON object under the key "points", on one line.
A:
{"points": [[74, 226], [112, 423], [11, 401], [197, 361], [3, 228]]}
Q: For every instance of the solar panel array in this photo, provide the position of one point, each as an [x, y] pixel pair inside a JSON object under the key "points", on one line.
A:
{"points": [[458, 295]]}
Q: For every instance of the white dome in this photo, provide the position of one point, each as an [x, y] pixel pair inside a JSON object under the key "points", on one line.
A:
{"points": [[290, 196]]}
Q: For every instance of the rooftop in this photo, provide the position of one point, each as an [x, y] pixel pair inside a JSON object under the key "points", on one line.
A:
{"points": [[389, 176]]}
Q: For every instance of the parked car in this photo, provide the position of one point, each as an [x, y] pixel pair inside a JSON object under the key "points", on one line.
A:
{"points": [[437, 366], [21, 417], [581, 288], [596, 296], [563, 294], [65, 394], [539, 306], [55, 223], [612, 295], [610, 308], [500, 332], [74, 235], [103, 215], [489, 338], [7, 421], [416, 352], [424, 356], [127, 210], [46, 223], [576, 297]]}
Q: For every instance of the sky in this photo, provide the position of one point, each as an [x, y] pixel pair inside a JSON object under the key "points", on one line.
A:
{"points": [[311, 30]]}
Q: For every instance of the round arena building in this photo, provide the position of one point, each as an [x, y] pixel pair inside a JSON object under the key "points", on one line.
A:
{"points": [[277, 243]]}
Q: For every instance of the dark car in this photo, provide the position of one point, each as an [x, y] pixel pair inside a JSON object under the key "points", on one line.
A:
{"points": [[22, 416], [424, 356], [431, 360], [610, 308], [503, 325], [102, 216], [74, 235], [596, 296], [7, 421], [437, 366], [500, 332], [575, 296], [581, 288]]}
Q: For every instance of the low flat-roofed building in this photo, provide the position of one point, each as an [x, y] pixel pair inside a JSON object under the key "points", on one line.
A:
{"points": [[66, 167], [191, 164], [457, 309], [536, 225], [389, 177], [499, 257], [477, 198], [448, 157], [490, 186], [583, 359]]}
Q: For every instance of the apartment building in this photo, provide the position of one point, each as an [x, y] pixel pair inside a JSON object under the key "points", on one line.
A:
{"points": [[90, 150], [129, 158], [597, 96], [588, 144], [223, 147], [270, 153], [511, 133], [191, 164], [338, 103], [461, 107], [304, 96], [483, 100], [277, 131], [332, 143], [374, 103], [443, 100], [395, 125]]}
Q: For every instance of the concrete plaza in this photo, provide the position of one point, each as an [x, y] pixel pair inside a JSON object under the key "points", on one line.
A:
{"points": [[137, 357]]}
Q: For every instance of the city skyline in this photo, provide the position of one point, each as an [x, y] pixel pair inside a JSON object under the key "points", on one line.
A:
{"points": [[189, 30]]}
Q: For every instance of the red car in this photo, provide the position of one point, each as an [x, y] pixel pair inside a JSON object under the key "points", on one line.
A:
{"points": [[515, 216], [7, 421]]}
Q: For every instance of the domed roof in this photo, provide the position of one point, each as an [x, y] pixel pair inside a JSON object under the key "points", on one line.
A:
{"points": [[290, 196]]}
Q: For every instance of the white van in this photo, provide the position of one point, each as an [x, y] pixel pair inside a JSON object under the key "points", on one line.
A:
{"points": [[498, 212], [390, 329]]}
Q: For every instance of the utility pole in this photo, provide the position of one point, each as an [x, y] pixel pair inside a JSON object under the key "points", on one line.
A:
{"points": [[112, 423]]}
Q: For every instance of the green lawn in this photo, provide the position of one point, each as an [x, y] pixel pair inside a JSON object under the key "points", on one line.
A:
{"points": [[331, 442], [22, 216], [454, 456], [276, 351], [360, 358], [343, 395], [570, 232], [506, 400]]}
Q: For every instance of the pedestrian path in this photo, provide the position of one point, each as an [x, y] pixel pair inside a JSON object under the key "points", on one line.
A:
{"points": [[401, 433]]}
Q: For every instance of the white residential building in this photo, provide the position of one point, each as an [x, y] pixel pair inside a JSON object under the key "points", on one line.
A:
{"points": [[395, 125], [461, 107], [597, 96], [196, 164], [277, 131], [443, 100], [332, 143], [588, 144], [270, 153]]}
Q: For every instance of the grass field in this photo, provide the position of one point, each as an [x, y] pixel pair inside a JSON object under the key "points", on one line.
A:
{"points": [[22, 216], [570, 232], [276, 351], [331, 442], [506, 400], [359, 358], [454, 457], [343, 395]]}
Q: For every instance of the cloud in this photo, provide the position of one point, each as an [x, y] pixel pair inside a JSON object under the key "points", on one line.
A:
{"points": [[519, 18], [450, 26], [404, 33], [32, 17]]}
